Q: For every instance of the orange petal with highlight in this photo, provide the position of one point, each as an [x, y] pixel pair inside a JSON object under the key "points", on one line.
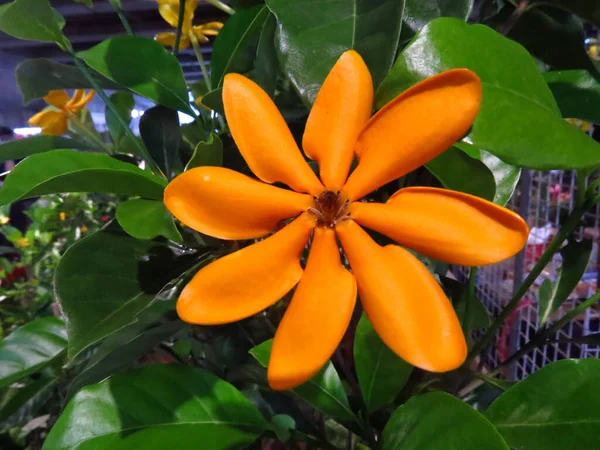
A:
{"points": [[228, 205], [446, 225], [263, 137], [341, 110], [414, 128], [407, 307], [317, 317], [58, 99], [53, 123], [246, 282], [80, 99]]}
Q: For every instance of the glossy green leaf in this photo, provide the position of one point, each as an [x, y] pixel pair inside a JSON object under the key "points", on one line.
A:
{"points": [[381, 373], [517, 106], [235, 46], [575, 258], [214, 101], [439, 421], [31, 347], [323, 392], [209, 153], [505, 175], [588, 10], [159, 128], [155, 405], [21, 148], [26, 401], [418, 13], [36, 77], [104, 280], [459, 172], [147, 219], [71, 171], [144, 66], [32, 20], [267, 65], [283, 425], [124, 103], [309, 41], [555, 408], [577, 93]]}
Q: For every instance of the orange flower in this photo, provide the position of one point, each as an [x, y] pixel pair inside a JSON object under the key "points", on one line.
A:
{"points": [[404, 302], [55, 122]]}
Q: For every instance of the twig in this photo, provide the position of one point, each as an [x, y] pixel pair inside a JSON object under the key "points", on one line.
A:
{"points": [[119, 10], [179, 26]]}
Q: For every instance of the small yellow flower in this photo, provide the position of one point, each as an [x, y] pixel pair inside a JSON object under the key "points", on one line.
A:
{"points": [[84, 229], [4, 220], [53, 122], [22, 242], [35, 281], [62, 216]]}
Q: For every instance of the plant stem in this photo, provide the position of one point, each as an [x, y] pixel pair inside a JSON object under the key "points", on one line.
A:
{"points": [[179, 26], [200, 58], [554, 246], [580, 193], [119, 10], [141, 148], [79, 126], [222, 6], [520, 9]]}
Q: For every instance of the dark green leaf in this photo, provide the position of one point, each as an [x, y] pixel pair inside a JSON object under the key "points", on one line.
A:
{"points": [[381, 373], [144, 66], [147, 219], [575, 258], [418, 13], [459, 172], [36, 77], [283, 425], [517, 106], [198, 89], [577, 93], [33, 20], [104, 280], [506, 177], [439, 421], [469, 310], [310, 41], [21, 148], [266, 67], [556, 408], [209, 153], [323, 392], [124, 102], [149, 407], [214, 101], [235, 46], [159, 128], [71, 171], [26, 401], [31, 347], [588, 10]]}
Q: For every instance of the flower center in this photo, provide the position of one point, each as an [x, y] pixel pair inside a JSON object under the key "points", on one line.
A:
{"points": [[330, 208]]}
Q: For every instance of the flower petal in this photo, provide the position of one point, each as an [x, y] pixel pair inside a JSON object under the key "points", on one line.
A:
{"points": [[58, 99], [414, 128], [228, 205], [247, 281], [53, 123], [406, 305], [168, 40], [341, 110], [80, 99], [446, 225], [263, 137], [317, 317]]}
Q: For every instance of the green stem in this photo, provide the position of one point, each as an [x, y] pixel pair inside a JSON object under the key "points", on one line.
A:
{"points": [[222, 6], [179, 26], [109, 104], [200, 58], [80, 126], [119, 10], [554, 246], [580, 193]]}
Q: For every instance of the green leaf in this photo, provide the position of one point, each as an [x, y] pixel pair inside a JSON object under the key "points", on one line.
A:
{"points": [[381, 373], [31, 347], [439, 421], [469, 310], [418, 13], [310, 41], [155, 405], [124, 103], [505, 175], [459, 172], [71, 171], [555, 408], [517, 105], [575, 258], [283, 425], [266, 66], [37, 77], [26, 401], [104, 280], [159, 128], [577, 93], [214, 100], [323, 392], [144, 66], [21, 148], [32, 20], [588, 10], [209, 153], [147, 219], [235, 46]]}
